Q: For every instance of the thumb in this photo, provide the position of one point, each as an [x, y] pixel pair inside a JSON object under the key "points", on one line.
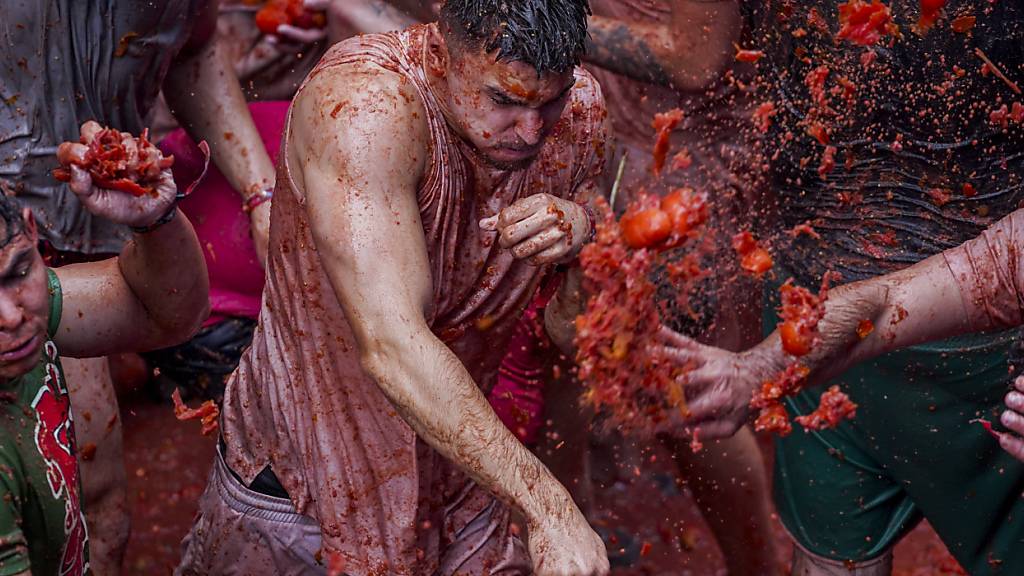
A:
{"points": [[81, 181]]}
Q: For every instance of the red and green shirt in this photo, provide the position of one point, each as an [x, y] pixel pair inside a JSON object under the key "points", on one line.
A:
{"points": [[42, 527]]}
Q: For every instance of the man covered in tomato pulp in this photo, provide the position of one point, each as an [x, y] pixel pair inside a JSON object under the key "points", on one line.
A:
{"points": [[427, 179]]}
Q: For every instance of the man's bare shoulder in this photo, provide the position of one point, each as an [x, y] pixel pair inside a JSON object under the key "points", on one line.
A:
{"points": [[364, 113], [363, 92]]}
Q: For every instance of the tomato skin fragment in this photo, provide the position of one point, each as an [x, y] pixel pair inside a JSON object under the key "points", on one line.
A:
{"points": [[794, 341], [749, 56], [865, 23], [864, 328]]}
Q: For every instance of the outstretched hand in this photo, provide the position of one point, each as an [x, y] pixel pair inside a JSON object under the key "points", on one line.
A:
{"points": [[542, 228], [721, 383]]}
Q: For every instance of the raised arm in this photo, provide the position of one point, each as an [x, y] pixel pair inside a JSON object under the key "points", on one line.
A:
{"points": [[204, 95], [359, 165], [153, 295], [689, 52]]}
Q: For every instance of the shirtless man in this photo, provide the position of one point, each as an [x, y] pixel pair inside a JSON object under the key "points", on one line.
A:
{"points": [[428, 179], [153, 294]]}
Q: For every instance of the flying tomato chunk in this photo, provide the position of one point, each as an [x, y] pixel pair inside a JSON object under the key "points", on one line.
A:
{"points": [[865, 23], [686, 208], [750, 56], [930, 12], [645, 228], [753, 258], [664, 123], [834, 407]]}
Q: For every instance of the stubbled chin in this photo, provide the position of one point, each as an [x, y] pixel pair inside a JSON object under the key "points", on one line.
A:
{"points": [[507, 164]]}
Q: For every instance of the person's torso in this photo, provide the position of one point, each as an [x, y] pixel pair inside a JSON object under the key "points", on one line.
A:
{"points": [[302, 375], [920, 165], [63, 62]]}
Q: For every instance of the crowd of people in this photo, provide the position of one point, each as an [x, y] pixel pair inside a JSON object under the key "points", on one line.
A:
{"points": [[354, 226]]}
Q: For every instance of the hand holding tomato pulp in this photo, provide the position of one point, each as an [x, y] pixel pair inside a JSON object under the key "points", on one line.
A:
{"points": [[115, 160]]}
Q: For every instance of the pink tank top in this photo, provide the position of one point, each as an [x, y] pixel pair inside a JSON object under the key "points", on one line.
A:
{"points": [[300, 400]]}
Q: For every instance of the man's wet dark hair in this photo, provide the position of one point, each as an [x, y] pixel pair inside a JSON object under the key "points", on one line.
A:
{"points": [[547, 34], [11, 223]]}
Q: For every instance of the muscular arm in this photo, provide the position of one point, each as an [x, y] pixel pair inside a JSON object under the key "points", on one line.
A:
{"points": [[359, 146], [688, 53], [154, 294]]}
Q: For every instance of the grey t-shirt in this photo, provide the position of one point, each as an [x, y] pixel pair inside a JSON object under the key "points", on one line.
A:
{"points": [[63, 62]]}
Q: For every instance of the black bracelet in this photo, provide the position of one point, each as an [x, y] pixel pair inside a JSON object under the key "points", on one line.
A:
{"points": [[167, 217]]}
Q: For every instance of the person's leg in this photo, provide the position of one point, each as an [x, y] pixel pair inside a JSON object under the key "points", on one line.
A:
{"points": [[727, 479], [101, 459]]}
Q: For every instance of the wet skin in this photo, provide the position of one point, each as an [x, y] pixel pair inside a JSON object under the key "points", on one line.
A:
{"points": [[365, 221]]}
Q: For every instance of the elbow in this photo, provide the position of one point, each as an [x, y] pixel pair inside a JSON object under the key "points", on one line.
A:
{"points": [[183, 325], [378, 356]]}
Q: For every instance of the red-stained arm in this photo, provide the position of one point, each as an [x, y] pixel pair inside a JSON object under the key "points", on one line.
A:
{"points": [[203, 92], [359, 172], [689, 52], [976, 286]]}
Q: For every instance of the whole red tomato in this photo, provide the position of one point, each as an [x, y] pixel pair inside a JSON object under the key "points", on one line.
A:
{"points": [[645, 228]]}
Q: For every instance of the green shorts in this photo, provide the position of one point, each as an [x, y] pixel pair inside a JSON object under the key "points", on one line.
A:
{"points": [[910, 453]]}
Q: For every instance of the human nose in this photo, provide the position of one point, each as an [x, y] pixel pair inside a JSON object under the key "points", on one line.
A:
{"points": [[529, 127]]}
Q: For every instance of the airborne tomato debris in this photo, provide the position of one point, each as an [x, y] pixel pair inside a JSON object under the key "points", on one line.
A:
{"points": [[930, 12], [865, 23], [116, 161], [987, 426], [634, 387], [207, 413], [751, 56], [753, 258], [664, 123], [834, 407]]}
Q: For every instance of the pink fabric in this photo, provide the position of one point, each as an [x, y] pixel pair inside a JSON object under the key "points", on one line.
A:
{"points": [[215, 210], [518, 397], [300, 400]]}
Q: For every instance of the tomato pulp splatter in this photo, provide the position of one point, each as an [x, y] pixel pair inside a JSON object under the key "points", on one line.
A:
{"points": [[865, 23], [664, 123], [277, 13], [207, 413], [753, 258], [116, 161]]}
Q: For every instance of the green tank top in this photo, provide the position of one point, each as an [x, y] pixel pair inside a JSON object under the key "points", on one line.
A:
{"points": [[42, 527]]}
